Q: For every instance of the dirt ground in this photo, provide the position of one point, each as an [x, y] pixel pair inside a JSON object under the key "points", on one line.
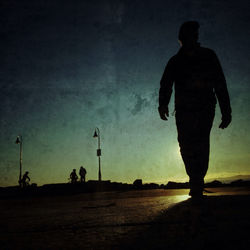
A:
{"points": [[149, 219]]}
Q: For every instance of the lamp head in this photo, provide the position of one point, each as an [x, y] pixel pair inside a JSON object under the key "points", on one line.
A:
{"points": [[95, 134], [18, 140]]}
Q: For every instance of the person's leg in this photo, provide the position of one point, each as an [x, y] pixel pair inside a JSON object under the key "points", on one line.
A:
{"points": [[193, 136]]}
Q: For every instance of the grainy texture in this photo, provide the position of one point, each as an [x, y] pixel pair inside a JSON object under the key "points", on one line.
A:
{"points": [[131, 220]]}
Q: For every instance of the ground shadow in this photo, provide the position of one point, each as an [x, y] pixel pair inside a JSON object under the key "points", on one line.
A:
{"points": [[221, 222]]}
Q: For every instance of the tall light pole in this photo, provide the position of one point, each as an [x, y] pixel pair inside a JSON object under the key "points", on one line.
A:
{"points": [[19, 140], [98, 151]]}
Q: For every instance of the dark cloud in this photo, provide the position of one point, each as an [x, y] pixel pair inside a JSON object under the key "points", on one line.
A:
{"points": [[141, 103]]}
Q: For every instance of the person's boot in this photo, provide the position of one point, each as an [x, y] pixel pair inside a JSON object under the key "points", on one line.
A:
{"points": [[196, 190]]}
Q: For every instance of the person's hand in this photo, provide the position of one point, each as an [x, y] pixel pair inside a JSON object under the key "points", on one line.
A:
{"points": [[163, 112], [225, 121]]}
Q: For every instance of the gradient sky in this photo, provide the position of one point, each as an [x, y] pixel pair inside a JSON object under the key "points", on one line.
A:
{"points": [[70, 66]]}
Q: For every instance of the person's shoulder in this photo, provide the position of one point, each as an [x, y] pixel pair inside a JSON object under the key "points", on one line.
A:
{"points": [[173, 59], [207, 51]]}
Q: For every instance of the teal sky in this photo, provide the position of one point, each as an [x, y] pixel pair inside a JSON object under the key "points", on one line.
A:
{"points": [[70, 67]]}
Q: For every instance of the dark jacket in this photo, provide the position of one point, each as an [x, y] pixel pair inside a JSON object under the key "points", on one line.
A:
{"points": [[198, 78]]}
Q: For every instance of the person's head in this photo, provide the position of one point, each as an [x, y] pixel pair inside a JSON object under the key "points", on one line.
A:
{"points": [[81, 167], [74, 170], [26, 172], [189, 33]]}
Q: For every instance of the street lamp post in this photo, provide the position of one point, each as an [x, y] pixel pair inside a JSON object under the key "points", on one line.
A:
{"points": [[19, 140], [98, 151]]}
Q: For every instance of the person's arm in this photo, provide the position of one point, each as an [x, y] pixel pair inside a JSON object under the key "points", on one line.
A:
{"points": [[220, 87], [166, 86]]}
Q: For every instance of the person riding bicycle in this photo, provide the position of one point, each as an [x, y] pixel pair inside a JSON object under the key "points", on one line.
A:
{"points": [[25, 180], [73, 176]]}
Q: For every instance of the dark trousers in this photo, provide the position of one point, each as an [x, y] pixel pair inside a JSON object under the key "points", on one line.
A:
{"points": [[193, 136]]}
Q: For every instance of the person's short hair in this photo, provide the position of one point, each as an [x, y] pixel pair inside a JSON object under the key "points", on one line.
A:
{"points": [[189, 30]]}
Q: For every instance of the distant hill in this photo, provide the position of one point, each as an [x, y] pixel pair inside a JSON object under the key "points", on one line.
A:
{"points": [[230, 179]]}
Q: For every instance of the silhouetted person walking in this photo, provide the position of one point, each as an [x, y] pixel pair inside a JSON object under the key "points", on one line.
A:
{"points": [[25, 180], [198, 79], [82, 173], [73, 176]]}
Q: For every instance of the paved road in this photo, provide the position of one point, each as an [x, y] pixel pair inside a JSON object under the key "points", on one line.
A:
{"points": [[86, 221], [91, 221]]}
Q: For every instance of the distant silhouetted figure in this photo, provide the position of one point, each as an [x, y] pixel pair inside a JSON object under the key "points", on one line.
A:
{"points": [[138, 183], [25, 180], [198, 79], [73, 176], [82, 173]]}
